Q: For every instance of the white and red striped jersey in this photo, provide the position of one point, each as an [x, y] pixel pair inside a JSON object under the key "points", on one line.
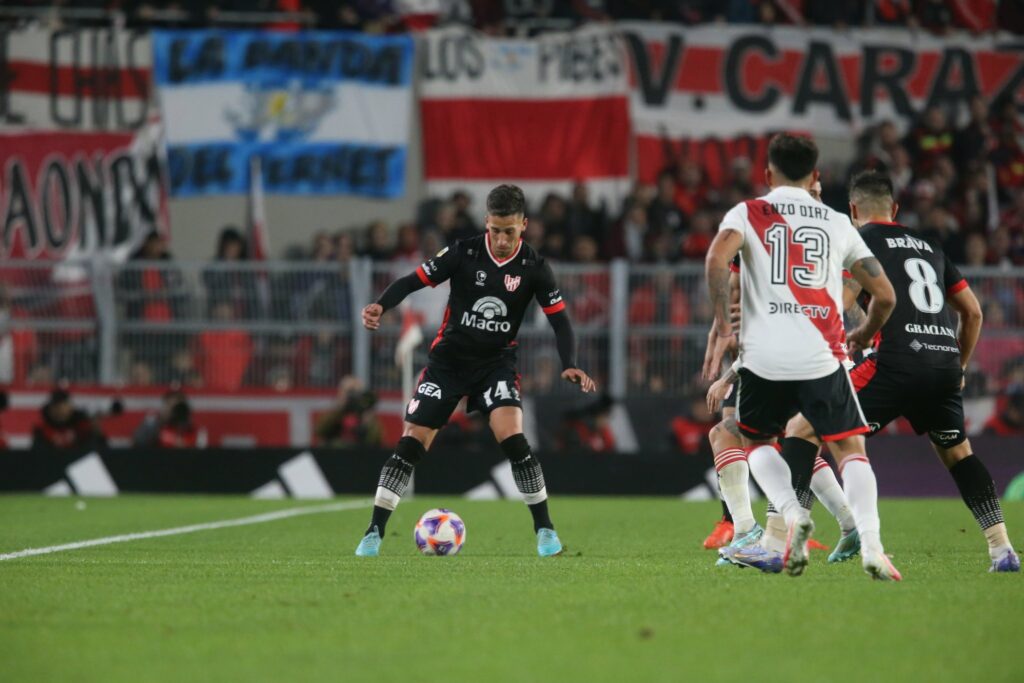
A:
{"points": [[791, 283]]}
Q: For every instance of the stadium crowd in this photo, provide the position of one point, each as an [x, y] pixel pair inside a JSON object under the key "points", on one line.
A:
{"points": [[501, 17]]}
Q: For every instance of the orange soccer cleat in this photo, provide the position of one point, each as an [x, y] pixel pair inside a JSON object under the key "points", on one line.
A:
{"points": [[720, 536]]}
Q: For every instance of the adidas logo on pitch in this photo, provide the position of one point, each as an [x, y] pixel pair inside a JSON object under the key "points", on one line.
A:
{"points": [[487, 314]]}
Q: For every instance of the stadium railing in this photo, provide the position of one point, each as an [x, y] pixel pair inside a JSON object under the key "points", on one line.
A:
{"points": [[228, 325]]}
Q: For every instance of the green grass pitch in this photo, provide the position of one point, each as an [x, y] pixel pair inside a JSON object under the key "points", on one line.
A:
{"points": [[635, 598]]}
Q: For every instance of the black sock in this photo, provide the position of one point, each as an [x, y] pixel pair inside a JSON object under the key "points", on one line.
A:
{"points": [[529, 479], [726, 515], [799, 454], [394, 478], [978, 491]]}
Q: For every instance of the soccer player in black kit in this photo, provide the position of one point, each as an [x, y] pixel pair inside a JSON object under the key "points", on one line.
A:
{"points": [[494, 277], [919, 359]]}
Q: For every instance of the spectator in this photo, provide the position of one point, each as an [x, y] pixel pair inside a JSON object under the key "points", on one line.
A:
{"points": [[170, 427], [697, 239], [63, 426], [224, 351], [665, 215], [690, 431], [629, 237], [975, 140], [19, 347], [229, 284], [352, 421], [584, 219], [1008, 419], [465, 225], [379, 246], [930, 140], [588, 428]]}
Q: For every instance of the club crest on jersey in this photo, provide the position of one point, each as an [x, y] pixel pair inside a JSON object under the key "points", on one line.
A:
{"points": [[512, 283], [481, 276], [413, 405]]}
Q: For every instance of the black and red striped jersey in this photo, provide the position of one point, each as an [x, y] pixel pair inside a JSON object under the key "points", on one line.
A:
{"points": [[922, 329], [489, 297]]}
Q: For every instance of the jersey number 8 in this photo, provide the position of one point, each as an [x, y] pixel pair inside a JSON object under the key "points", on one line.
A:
{"points": [[925, 292]]}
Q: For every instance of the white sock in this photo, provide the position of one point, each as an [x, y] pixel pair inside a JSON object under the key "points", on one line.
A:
{"points": [[825, 487], [775, 532], [773, 476], [862, 494], [733, 478]]}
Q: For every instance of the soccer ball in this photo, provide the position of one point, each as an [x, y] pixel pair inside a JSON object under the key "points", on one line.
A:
{"points": [[439, 532]]}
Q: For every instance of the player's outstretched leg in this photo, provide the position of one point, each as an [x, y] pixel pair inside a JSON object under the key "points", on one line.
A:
{"points": [[862, 492], [774, 477], [979, 493], [802, 445], [529, 478], [394, 479], [825, 488], [733, 483]]}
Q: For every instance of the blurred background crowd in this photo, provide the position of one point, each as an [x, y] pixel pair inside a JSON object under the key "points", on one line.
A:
{"points": [[501, 17]]}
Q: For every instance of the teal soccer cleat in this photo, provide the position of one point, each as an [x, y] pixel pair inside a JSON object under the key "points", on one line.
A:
{"points": [[548, 543], [748, 539], [370, 545], [847, 547]]}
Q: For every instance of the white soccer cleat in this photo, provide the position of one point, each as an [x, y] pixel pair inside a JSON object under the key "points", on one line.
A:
{"points": [[878, 566], [794, 560]]}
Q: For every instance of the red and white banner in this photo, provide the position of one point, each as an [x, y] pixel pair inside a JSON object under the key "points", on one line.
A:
{"points": [[723, 86], [541, 113], [80, 143]]}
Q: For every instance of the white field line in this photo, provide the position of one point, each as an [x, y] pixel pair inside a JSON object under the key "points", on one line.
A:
{"points": [[192, 528]]}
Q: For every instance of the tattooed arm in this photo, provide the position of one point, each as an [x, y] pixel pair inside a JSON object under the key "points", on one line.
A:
{"points": [[854, 313], [869, 274], [725, 246]]}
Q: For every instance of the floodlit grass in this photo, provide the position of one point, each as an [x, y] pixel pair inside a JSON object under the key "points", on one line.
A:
{"points": [[635, 598]]}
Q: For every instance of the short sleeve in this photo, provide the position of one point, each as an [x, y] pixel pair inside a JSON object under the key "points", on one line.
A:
{"points": [[735, 219], [547, 293], [439, 268], [953, 280], [856, 248]]}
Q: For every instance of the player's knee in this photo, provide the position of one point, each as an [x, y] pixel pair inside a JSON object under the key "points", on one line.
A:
{"points": [[410, 448], [952, 454], [515, 447], [424, 435], [799, 427]]}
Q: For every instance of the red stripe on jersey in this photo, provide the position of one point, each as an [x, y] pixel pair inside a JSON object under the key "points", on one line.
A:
{"points": [[440, 330], [423, 277], [762, 216], [958, 287], [862, 374], [554, 308]]}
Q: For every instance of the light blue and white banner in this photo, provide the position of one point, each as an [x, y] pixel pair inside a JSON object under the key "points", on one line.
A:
{"points": [[326, 112]]}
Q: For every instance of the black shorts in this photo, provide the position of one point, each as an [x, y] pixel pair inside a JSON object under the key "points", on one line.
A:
{"points": [[730, 400], [764, 406], [441, 386], [929, 398]]}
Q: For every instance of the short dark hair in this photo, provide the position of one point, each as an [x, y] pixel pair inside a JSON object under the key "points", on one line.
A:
{"points": [[506, 200], [795, 156], [871, 186]]}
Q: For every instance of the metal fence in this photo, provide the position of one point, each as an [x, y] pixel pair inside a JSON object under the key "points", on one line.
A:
{"points": [[286, 325]]}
